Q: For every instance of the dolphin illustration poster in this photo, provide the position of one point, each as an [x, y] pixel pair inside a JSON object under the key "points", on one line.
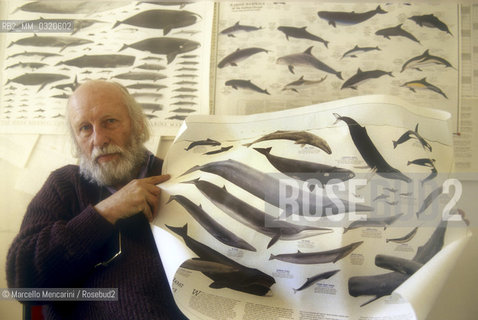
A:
{"points": [[329, 209], [301, 53]]}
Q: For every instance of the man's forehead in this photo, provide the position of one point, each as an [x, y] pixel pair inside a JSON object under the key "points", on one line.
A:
{"points": [[97, 95], [97, 89]]}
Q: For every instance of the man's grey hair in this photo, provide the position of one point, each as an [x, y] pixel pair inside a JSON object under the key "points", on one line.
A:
{"points": [[140, 124]]}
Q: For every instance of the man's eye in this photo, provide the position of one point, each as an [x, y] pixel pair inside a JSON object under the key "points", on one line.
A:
{"points": [[111, 123], [85, 128]]}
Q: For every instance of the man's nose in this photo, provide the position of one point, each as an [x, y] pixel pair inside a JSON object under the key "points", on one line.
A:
{"points": [[100, 137]]}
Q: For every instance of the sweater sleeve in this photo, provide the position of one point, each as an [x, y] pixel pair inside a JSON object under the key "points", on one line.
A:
{"points": [[59, 241]]}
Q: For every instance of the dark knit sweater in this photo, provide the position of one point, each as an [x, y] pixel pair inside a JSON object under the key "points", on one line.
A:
{"points": [[62, 238]]}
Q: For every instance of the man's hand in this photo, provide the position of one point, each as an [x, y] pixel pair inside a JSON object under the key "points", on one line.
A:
{"points": [[139, 195]]}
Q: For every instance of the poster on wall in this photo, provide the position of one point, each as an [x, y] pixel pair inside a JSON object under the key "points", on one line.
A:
{"points": [[339, 210], [278, 55], [159, 51]]}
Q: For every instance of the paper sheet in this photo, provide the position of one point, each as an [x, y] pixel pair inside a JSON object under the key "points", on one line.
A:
{"points": [[278, 264], [17, 149]]}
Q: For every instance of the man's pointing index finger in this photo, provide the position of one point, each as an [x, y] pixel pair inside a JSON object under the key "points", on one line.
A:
{"points": [[160, 179]]}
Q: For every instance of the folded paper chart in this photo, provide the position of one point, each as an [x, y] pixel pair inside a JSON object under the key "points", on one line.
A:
{"points": [[340, 210]]}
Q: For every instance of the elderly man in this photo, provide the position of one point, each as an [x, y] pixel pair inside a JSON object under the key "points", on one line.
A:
{"points": [[88, 225]]}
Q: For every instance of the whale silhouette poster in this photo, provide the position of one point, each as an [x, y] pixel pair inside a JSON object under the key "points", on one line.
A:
{"points": [[159, 51], [332, 210], [181, 58]]}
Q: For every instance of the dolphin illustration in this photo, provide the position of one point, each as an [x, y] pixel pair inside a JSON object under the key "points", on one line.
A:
{"points": [[206, 142], [425, 59], [306, 59], [353, 52], [396, 31], [302, 83], [412, 134], [422, 84], [362, 76], [237, 27]]}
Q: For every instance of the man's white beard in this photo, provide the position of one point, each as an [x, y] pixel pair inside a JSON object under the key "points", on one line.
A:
{"points": [[115, 172]]}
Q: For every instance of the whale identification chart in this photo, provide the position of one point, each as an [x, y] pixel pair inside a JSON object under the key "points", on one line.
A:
{"points": [[339, 210]]}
